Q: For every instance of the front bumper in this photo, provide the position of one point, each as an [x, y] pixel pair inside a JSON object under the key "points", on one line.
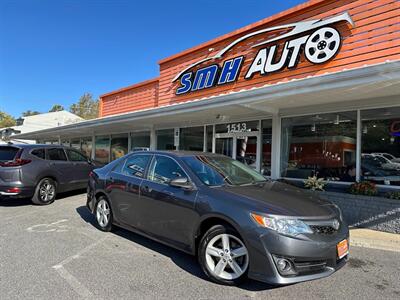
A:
{"points": [[313, 256]]}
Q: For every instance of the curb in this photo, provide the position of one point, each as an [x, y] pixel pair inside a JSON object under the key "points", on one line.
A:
{"points": [[368, 238]]}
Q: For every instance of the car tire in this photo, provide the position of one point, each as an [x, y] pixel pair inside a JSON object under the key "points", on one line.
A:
{"points": [[103, 214], [234, 259], [45, 192]]}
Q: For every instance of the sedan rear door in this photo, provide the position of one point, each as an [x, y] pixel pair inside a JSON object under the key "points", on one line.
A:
{"points": [[123, 188]]}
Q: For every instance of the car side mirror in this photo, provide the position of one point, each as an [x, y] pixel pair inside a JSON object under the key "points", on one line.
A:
{"points": [[182, 182]]}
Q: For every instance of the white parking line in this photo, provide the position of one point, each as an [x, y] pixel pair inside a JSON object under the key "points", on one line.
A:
{"points": [[77, 286]]}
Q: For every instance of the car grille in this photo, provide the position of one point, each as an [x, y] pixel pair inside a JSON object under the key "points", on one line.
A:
{"points": [[323, 229]]}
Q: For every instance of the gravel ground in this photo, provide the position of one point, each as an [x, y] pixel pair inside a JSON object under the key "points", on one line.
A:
{"points": [[55, 252]]}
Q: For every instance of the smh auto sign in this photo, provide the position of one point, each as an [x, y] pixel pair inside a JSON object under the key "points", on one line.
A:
{"points": [[316, 38]]}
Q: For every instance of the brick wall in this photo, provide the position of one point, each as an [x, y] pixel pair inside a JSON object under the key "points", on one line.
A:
{"points": [[368, 212]]}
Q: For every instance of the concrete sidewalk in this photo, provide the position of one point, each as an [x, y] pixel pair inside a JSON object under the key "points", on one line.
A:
{"points": [[374, 239]]}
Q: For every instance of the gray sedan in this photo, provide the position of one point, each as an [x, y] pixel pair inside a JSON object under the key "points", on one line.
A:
{"points": [[237, 223]]}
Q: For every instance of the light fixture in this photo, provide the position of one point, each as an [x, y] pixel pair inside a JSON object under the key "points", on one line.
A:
{"points": [[313, 127], [337, 120]]}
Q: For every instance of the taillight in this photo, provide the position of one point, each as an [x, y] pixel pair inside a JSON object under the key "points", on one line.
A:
{"points": [[15, 163], [13, 190]]}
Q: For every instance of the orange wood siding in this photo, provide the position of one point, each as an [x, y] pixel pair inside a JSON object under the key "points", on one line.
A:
{"points": [[140, 96], [374, 39]]}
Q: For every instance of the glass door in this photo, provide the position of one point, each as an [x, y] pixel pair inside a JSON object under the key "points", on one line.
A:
{"points": [[242, 146], [224, 146]]}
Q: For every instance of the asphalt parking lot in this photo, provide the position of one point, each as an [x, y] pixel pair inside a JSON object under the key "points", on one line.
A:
{"points": [[55, 252]]}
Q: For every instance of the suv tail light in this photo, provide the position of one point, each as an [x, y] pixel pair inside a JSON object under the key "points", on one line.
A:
{"points": [[15, 163], [18, 161]]}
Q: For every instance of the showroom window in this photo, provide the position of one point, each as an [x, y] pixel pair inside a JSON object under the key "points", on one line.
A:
{"points": [[119, 146], [191, 138], [140, 141], [66, 142], [165, 139], [323, 145], [86, 146], [266, 147], [76, 144], [380, 146], [102, 149]]}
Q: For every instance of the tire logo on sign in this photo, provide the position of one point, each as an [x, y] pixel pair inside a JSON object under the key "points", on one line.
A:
{"points": [[320, 43]]}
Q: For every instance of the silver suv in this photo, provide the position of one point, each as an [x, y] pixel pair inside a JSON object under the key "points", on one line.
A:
{"points": [[41, 171]]}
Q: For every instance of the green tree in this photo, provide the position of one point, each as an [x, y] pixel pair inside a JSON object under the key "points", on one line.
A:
{"points": [[86, 107], [56, 107], [6, 120], [30, 113]]}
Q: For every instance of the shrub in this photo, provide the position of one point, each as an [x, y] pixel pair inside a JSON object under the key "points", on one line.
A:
{"points": [[393, 195], [364, 188], [314, 183]]}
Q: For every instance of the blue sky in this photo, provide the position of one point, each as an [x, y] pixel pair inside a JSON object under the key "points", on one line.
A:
{"points": [[53, 51]]}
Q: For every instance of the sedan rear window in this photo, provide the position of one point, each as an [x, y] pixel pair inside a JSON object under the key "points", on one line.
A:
{"points": [[8, 153]]}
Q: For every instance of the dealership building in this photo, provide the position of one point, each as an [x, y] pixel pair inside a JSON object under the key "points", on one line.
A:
{"points": [[313, 90]]}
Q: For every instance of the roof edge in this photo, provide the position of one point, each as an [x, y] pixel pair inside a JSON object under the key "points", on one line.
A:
{"points": [[136, 85], [269, 19]]}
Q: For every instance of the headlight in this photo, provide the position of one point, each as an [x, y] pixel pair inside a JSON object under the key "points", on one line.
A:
{"points": [[282, 225]]}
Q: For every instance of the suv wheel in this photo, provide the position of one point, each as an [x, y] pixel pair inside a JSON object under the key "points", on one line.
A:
{"points": [[223, 255], [45, 192], [103, 213]]}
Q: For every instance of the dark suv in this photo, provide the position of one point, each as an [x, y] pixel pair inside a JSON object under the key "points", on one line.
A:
{"points": [[41, 171]]}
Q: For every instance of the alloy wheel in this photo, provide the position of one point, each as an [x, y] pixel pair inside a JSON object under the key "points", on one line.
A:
{"points": [[47, 191], [226, 257], [103, 213]]}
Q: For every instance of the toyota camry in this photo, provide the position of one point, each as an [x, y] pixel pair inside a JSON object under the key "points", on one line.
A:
{"points": [[238, 223]]}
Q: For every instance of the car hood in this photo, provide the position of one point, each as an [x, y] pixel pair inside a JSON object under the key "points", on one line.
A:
{"points": [[275, 197]]}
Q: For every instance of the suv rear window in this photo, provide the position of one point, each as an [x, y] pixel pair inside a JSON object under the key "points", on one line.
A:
{"points": [[8, 153], [39, 153]]}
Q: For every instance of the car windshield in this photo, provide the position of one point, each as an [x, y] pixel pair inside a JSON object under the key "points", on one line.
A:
{"points": [[218, 170]]}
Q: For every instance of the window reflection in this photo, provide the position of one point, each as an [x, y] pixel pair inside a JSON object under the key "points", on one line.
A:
{"points": [[321, 145], [102, 149], [380, 159], [191, 138], [119, 146]]}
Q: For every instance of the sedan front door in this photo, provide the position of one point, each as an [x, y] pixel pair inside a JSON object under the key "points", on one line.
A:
{"points": [[167, 212]]}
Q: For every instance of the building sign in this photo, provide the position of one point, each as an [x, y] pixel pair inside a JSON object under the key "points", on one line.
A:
{"points": [[315, 38]]}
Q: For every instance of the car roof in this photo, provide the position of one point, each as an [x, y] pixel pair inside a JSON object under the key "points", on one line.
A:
{"points": [[33, 146], [179, 153]]}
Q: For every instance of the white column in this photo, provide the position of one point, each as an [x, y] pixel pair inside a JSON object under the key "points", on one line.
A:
{"points": [[93, 146], [276, 147], [213, 140], [259, 147], [358, 146], [153, 139]]}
